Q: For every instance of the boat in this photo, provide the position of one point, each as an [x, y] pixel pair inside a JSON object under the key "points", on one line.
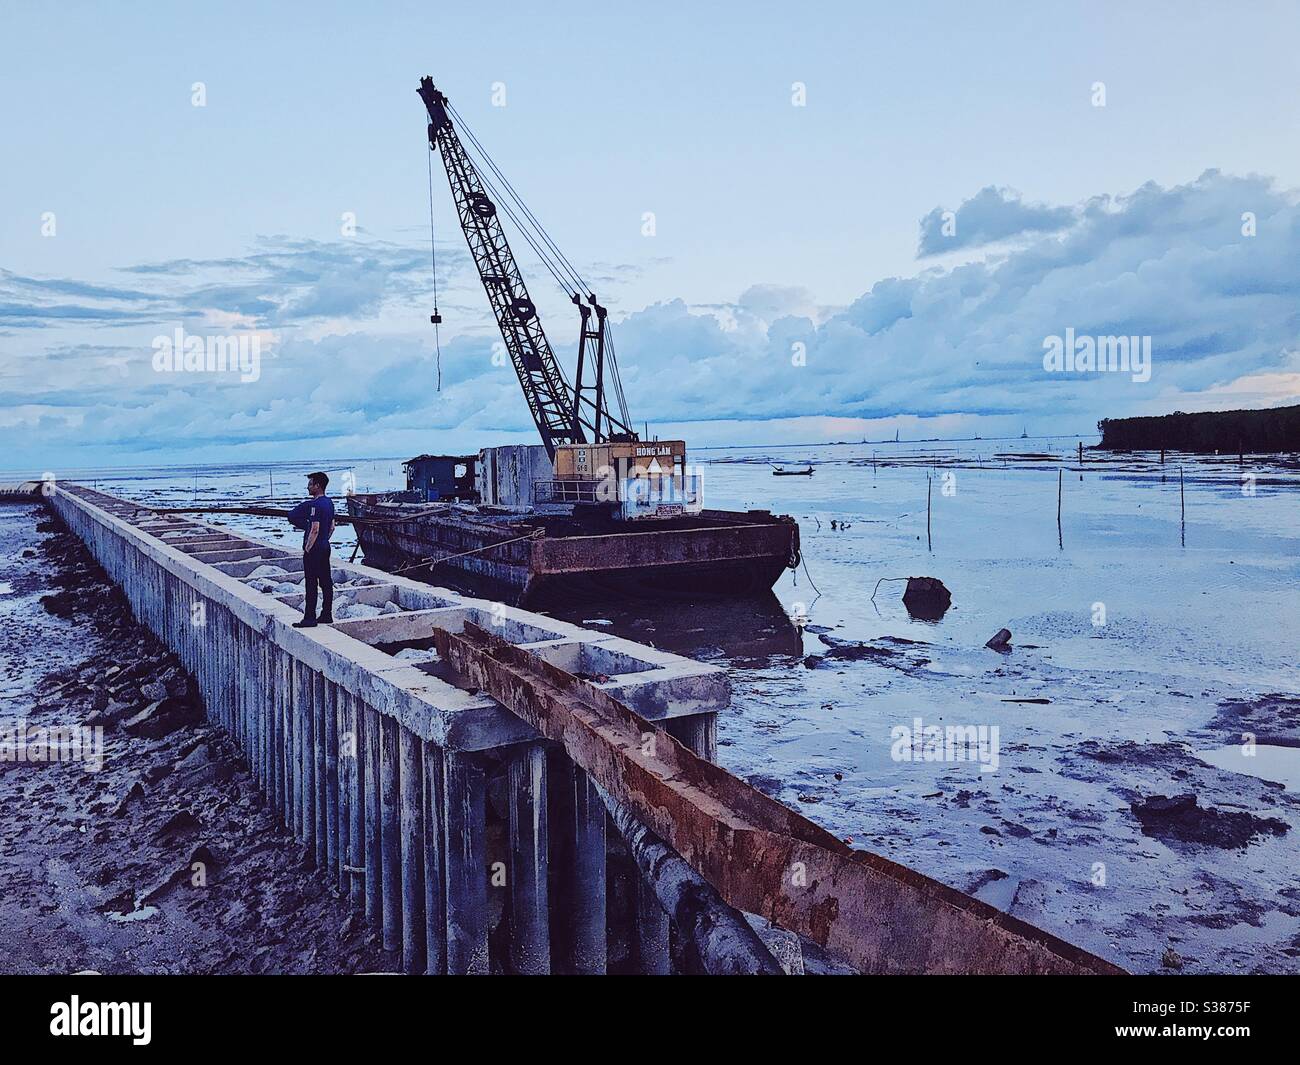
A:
{"points": [[528, 545], [595, 510], [781, 471]]}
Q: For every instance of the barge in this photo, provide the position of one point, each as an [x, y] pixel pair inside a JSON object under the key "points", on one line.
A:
{"points": [[527, 538]]}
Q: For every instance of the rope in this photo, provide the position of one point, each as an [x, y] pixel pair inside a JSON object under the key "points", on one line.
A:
{"points": [[433, 254], [432, 561], [809, 575], [882, 581]]}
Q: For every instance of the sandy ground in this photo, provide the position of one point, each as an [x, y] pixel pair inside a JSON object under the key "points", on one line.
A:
{"points": [[166, 859]]}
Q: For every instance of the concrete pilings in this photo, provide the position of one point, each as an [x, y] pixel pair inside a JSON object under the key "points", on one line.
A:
{"points": [[468, 843]]}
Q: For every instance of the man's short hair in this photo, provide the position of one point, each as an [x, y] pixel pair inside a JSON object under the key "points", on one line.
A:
{"points": [[321, 479]]}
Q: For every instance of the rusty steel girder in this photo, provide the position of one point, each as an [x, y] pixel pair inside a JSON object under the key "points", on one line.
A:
{"points": [[760, 856]]}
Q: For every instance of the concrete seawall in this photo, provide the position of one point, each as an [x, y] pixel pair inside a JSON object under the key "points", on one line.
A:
{"points": [[447, 821]]}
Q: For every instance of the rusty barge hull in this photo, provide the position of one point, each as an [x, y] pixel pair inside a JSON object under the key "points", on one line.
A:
{"points": [[536, 558]]}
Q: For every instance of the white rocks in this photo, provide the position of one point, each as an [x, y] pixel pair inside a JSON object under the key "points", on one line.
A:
{"points": [[269, 571], [358, 610], [415, 654]]}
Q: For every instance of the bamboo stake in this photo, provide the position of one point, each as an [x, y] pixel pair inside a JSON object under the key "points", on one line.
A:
{"points": [[1182, 503], [929, 543], [1060, 477]]}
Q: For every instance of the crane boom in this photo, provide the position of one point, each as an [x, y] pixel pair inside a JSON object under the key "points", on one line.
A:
{"points": [[557, 409]]}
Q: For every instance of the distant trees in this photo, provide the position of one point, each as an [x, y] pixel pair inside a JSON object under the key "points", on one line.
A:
{"points": [[1228, 431]]}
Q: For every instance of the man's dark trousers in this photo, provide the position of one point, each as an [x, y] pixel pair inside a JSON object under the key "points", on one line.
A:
{"points": [[316, 567]]}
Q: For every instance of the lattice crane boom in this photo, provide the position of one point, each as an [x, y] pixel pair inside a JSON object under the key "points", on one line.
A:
{"points": [[563, 414]]}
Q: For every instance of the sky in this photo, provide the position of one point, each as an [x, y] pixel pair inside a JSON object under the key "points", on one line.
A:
{"points": [[810, 222]]}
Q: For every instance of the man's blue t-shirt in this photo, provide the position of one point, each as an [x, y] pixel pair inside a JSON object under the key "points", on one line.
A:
{"points": [[320, 509]]}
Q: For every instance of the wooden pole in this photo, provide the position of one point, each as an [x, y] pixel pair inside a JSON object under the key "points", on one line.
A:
{"points": [[1060, 478], [1182, 504], [929, 543]]}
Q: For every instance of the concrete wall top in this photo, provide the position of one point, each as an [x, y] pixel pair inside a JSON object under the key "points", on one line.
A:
{"points": [[231, 570]]}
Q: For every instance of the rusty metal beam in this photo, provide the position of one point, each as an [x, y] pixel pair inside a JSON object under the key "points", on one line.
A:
{"points": [[760, 856]]}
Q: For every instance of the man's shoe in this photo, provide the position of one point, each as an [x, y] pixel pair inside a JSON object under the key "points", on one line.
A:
{"points": [[305, 623], [325, 619]]}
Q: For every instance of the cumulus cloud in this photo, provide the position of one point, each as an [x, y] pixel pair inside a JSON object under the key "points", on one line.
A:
{"points": [[350, 372], [993, 214], [1170, 263], [283, 281]]}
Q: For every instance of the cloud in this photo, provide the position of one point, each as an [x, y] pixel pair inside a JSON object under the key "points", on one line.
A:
{"points": [[282, 281], [993, 214], [350, 365], [1169, 263]]}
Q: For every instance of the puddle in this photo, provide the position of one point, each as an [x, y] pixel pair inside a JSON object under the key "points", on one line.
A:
{"points": [[1281, 764], [142, 914]]}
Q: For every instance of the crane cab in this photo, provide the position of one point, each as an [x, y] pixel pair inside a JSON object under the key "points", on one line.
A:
{"points": [[634, 479]]}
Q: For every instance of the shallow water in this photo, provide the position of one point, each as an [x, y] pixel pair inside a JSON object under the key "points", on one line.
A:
{"points": [[1266, 762], [1133, 624]]}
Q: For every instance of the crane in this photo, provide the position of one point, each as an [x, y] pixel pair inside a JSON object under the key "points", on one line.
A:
{"points": [[564, 414]]}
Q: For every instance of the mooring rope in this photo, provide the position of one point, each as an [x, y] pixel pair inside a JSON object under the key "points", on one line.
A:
{"points": [[536, 534]]}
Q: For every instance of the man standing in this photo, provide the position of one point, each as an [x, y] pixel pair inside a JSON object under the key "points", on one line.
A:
{"points": [[315, 517]]}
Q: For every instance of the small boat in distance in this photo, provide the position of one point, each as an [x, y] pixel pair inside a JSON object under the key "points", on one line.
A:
{"points": [[781, 471]]}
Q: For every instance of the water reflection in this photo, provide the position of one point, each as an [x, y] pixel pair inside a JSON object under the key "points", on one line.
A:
{"points": [[746, 631]]}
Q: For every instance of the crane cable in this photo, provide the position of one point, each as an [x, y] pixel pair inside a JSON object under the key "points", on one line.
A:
{"points": [[433, 252], [555, 261], [520, 202], [550, 265], [560, 262]]}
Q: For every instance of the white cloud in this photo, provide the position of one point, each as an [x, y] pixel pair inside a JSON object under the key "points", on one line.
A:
{"points": [[353, 367]]}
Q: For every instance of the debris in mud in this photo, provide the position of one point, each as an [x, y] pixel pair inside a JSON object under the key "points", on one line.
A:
{"points": [[849, 651], [1183, 819], [163, 717], [182, 866], [926, 598], [1272, 720], [1000, 641]]}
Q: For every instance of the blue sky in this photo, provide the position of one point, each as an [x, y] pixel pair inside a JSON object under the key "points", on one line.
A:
{"points": [[774, 225]]}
